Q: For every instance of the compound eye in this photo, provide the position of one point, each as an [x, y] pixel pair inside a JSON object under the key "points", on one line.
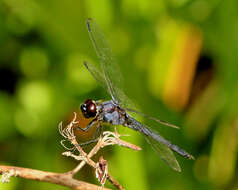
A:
{"points": [[92, 110], [84, 107], [88, 101], [89, 108]]}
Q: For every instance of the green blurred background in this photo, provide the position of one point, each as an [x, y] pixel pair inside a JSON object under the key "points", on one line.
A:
{"points": [[179, 60]]}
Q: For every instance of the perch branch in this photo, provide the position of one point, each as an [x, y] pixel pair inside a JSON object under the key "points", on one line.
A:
{"points": [[107, 138], [64, 179]]}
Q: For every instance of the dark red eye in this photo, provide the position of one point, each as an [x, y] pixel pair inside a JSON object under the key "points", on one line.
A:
{"points": [[89, 108]]}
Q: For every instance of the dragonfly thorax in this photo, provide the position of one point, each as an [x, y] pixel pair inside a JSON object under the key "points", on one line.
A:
{"points": [[112, 113]]}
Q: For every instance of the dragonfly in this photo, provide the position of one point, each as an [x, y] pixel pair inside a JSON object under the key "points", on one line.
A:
{"points": [[116, 111]]}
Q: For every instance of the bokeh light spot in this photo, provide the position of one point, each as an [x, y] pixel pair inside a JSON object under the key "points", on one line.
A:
{"points": [[35, 96], [34, 62]]}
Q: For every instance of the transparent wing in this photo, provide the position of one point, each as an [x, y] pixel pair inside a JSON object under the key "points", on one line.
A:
{"points": [[111, 73], [98, 76], [165, 153], [96, 73], [152, 118]]}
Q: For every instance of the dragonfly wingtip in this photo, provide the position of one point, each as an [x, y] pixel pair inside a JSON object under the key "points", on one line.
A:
{"points": [[88, 23], [85, 63], [178, 169], [89, 19], [176, 127], [191, 157], [171, 125]]}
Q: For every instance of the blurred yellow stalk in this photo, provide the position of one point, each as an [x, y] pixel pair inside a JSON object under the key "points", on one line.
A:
{"points": [[182, 67]]}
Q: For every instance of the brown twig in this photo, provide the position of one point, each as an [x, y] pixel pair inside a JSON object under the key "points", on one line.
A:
{"points": [[114, 182], [64, 179], [108, 138]]}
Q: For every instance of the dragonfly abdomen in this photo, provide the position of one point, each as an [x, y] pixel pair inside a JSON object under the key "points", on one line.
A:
{"points": [[180, 151], [136, 125]]}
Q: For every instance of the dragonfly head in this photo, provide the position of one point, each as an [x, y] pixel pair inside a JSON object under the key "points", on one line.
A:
{"points": [[89, 108]]}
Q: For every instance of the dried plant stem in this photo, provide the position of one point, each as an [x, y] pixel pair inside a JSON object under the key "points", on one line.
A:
{"points": [[114, 182], [106, 139], [64, 179], [88, 160], [90, 155]]}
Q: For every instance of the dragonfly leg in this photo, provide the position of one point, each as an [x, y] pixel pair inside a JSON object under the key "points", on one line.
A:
{"points": [[89, 126], [88, 142], [95, 137]]}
